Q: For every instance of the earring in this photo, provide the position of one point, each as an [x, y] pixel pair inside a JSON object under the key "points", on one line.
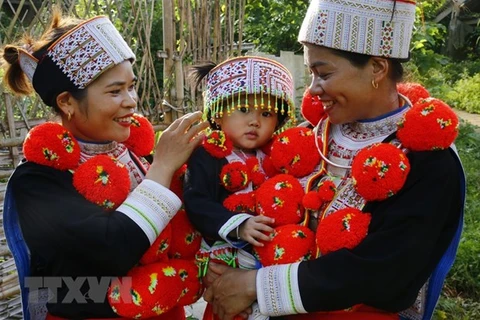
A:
{"points": [[69, 116], [374, 84]]}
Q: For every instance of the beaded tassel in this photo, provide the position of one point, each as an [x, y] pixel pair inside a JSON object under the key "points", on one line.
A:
{"points": [[262, 104], [221, 106], [232, 107], [276, 101], [269, 100], [239, 105]]}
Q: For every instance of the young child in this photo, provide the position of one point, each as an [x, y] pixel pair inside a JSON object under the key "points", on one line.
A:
{"points": [[248, 99]]}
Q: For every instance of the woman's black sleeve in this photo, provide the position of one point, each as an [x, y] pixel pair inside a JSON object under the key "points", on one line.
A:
{"points": [[408, 234]]}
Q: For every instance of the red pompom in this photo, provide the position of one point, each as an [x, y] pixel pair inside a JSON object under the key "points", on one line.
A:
{"points": [[280, 198], [145, 295], [177, 181], [429, 125], [269, 168], [311, 201], [379, 171], [289, 243], [186, 239], [292, 152], [344, 228], [192, 284], [102, 180], [217, 144], [240, 202], [312, 108], [413, 91], [158, 251], [327, 190], [256, 175], [266, 148], [50, 144], [234, 176], [142, 136]]}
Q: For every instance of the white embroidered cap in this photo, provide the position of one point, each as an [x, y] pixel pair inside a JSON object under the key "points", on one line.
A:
{"points": [[87, 51], [76, 59], [372, 27]]}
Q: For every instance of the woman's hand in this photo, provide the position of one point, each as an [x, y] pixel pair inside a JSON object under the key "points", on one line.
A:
{"points": [[232, 292], [175, 146]]}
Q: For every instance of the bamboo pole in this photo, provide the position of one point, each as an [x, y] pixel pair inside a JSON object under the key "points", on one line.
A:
{"points": [[11, 127], [179, 76], [241, 15], [168, 47]]}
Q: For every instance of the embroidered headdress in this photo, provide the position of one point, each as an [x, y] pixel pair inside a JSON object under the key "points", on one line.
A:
{"points": [[76, 59], [372, 27], [229, 83]]}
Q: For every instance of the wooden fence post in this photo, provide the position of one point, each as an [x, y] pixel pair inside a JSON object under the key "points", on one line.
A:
{"points": [[11, 128]]}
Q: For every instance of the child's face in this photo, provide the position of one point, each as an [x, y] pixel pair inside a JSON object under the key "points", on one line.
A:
{"points": [[248, 128]]}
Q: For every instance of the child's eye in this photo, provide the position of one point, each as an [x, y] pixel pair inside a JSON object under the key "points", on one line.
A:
{"points": [[244, 109], [267, 114], [115, 91]]}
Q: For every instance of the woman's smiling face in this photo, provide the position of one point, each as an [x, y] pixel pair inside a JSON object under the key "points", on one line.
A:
{"points": [[345, 90], [105, 113]]}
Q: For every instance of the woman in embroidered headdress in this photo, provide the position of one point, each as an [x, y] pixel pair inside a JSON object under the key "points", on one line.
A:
{"points": [[247, 99], [388, 234], [86, 204]]}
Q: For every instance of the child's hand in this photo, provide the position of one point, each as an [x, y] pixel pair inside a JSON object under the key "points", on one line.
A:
{"points": [[256, 229]]}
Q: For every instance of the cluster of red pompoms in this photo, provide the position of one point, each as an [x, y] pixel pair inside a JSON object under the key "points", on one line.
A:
{"points": [[313, 200], [145, 295], [142, 136], [158, 251], [429, 125], [344, 228], [280, 197], [168, 263], [413, 91], [257, 177], [268, 167], [176, 185], [241, 202], [50, 144], [379, 171], [289, 243], [187, 239], [293, 152], [192, 288], [234, 176], [312, 108], [102, 180], [218, 144]]}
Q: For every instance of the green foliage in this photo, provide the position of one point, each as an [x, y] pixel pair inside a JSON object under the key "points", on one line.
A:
{"points": [[427, 41], [465, 94], [273, 25], [456, 308], [462, 287], [465, 275], [428, 9]]}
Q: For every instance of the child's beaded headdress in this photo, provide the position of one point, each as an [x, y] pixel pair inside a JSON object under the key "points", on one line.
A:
{"points": [[229, 83], [373, 27], [76, 59]]}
